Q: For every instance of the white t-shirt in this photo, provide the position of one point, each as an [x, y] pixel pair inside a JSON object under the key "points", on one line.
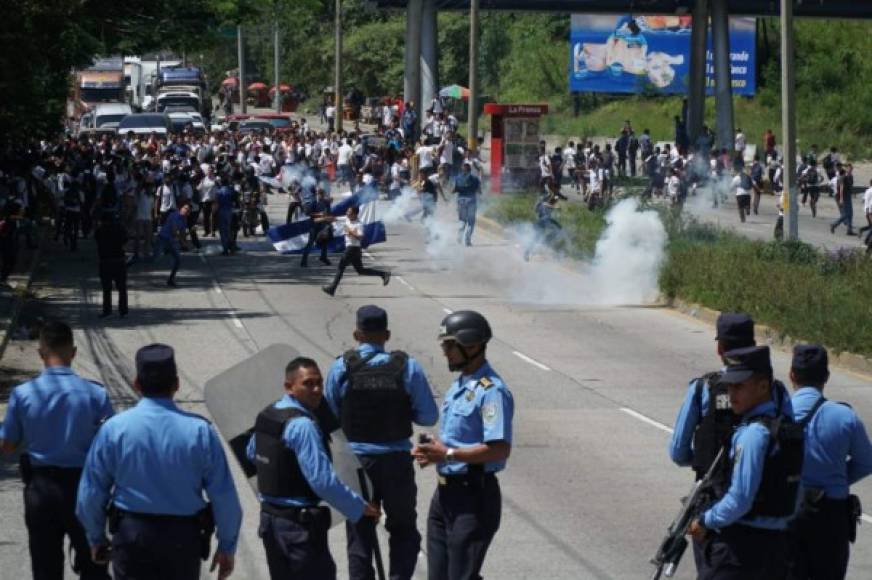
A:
{"points": [[330, 111], [545, 165], [740, 142], [737, 185], [569, 158], [267, 164], [673, 186], [447, 155], [357, 228], [425, 156], [596, 180], [167, 199], [867, 200], [343, 156], [207, 189]]}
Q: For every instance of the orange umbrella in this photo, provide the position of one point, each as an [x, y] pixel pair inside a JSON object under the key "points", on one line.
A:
{"points": [[256, 87], [229, 82], [284, 88]]}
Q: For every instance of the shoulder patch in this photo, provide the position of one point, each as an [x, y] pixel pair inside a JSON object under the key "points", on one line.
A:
{"points": [[485, 382]]}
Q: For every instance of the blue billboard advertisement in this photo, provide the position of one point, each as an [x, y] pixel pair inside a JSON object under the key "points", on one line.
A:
{"points": [[635, 54]]}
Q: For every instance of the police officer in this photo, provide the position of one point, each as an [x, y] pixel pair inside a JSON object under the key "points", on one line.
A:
{"points": [[294, 474], [111, 238], [837, 455], [54, 418], [473, 445], [706, 422], [151, 464], [377, 396], [743, 535]]}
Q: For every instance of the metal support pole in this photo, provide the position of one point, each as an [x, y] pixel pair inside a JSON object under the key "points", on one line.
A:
{"points": [[337, 80], [277, 97], [240, 49], [723, 78], [472, 132], [788, 120], [429, 56], [412, 74], [696, 94]]}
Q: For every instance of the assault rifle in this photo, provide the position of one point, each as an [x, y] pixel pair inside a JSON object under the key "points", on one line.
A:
{"points": [[675, 543]]}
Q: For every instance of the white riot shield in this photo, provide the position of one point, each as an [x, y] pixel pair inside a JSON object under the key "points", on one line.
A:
{"points": [[236, 396]]}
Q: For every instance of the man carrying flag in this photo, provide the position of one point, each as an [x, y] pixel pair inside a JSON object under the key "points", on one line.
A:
{"points": [[353, 253]]}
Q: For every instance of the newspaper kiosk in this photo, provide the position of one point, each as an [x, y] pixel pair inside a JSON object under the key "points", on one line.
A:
{"points": [[514, 155]]}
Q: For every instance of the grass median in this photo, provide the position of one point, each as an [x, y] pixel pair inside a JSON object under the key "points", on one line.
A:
{"points": [[800, 291]]}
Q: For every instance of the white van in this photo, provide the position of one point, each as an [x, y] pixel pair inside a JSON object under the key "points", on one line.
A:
{"points": [[103, 118]]}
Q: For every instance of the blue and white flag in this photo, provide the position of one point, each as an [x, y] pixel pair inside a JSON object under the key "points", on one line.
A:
{"points": [[292, 238]]}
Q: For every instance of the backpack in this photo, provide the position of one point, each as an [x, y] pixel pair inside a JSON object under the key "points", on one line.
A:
{"points": [[747, 184]]}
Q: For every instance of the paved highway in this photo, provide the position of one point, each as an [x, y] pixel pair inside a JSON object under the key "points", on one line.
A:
{"points": [[589, 488]]}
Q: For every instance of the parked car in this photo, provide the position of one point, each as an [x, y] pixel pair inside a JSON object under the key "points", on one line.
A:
{"points": [[254, 125], [182, 120], [145, 124], [281, 122]]}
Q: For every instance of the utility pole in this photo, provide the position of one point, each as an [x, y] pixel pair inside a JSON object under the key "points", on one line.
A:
{"points": [[337, 80], [788, 120], [240, 49], [472, 126], [277, 97]]}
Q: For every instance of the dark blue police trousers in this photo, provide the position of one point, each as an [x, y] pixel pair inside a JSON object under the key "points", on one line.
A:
{"points": [[295, 550], [146, 547], [464, 517], [819, 542], [393, 481], [741, 552], [49, 513]]}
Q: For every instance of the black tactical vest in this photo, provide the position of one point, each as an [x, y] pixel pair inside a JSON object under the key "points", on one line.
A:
{"points": [[278, 471], [715, 429], [376, 407], [782, 472]]}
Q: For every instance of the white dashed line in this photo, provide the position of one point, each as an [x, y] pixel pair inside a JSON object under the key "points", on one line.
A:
{"points": [[533, 362], [236, 322], [645, 419], [447, 310], [404, 283], [866, 518], [217, 288]]}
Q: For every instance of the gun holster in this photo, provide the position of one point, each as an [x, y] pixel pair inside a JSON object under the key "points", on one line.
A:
{"points": [[25, 468], [206, 521], [855, 512]]}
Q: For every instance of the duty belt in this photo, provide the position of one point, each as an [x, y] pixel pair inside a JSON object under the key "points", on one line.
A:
{"points": [[301, 515], [473, 479]]}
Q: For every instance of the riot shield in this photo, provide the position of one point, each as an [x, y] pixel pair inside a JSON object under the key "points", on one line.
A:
{"points": [[236, 396]]}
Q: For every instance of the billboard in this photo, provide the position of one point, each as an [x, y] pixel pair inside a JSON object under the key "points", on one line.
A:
{"points": [[634, 54]]}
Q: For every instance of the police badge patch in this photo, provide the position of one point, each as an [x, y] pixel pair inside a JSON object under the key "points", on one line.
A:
{"points": [[489, 413]]}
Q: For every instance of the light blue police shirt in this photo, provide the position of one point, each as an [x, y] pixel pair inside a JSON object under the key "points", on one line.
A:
{"points": [[56, 416], [748, 454], [303, 437], [837, 448], [424, 409], [474, 413], [157, 459], [691, 414]]}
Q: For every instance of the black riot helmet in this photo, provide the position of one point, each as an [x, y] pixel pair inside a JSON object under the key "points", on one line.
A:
{"points": [[466, 327]]}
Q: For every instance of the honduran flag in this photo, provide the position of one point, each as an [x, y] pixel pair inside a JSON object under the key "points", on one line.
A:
{"points": [[291, 238]]}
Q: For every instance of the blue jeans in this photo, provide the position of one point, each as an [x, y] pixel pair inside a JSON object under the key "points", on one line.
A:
{"points": [[165, 246], [466, 210], [846, 216]]}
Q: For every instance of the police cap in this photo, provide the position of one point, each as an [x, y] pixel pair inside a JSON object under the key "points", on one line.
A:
{"points": [[810, 360], [466, 327], [156, 368], [735, 326], [743, 363], [371, 318]]}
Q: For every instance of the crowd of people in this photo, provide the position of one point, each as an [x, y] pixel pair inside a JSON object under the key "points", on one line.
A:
{"points": [[168, 193]]}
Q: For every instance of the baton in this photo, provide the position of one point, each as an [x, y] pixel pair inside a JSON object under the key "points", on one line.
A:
{"points": [[376, 551]]}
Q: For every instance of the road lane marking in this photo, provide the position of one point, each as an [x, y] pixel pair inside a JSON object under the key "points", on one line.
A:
{"points": [[404, 283], [533, 362], [236, 322], [645, 419], [217, 288], [866, 518], [447, 310]]}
